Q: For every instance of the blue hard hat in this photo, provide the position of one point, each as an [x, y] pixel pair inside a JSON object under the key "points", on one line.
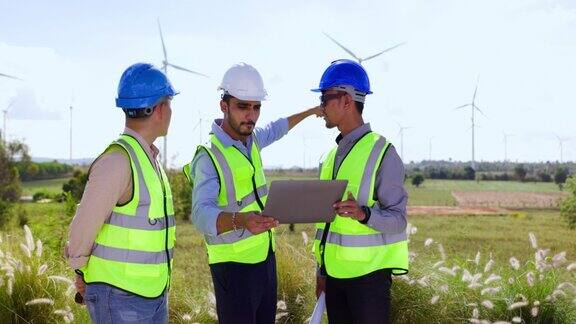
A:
{"points": [[141, 86], [345, 73]]}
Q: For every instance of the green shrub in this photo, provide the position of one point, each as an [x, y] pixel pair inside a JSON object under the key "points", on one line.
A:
{"points": [[417, 179], [568, 206], [181, 194]]}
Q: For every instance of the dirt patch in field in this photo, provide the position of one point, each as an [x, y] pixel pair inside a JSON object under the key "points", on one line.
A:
{"points": [[499, 199], [454, 210]]}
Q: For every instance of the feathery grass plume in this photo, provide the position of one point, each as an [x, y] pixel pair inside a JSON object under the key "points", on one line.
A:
{"points": [[490, 291], [559, 259], [514, 263], [492, 278], [29, 238], [39, 248], [281, 305], [533, 241], [474, 285], [517, 319], [442, 252], [517, 305], [61, 279], [38, 301], [466, 275], [530, 278], [475, 313], [568, 286], [439, 263], [413, 230], [444, 288], [42, 269], [447, 271], [558, 293], [280, 315], [477, 258], [434, 299], [428, 242], [511, 280], [186, 317], [26, 250], [305, 237], [487, 304], [489, 265], [10, 286], [423, 281], [571, 266], [534, 311]]}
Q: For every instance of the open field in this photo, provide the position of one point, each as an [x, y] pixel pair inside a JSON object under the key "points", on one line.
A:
{"points": [[51, 186], [462, 237]]}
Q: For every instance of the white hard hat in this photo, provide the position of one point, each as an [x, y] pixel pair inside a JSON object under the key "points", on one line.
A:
{"points": [[243, 82]]}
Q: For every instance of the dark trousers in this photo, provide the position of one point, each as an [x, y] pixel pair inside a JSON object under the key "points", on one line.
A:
{"points": [[359, 300], [245, 293]]}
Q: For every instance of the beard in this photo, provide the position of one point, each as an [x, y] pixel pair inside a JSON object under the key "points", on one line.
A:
{"points": [[242, 128]]}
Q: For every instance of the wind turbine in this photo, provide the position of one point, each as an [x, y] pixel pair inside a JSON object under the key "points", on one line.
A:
{"points": [[401, 133], [198, 124], [473, 108], [430, 148], [5, 127], [506, 136], [10, 77], [359, 59], [71, 134], [560, 143], [165, 65]]}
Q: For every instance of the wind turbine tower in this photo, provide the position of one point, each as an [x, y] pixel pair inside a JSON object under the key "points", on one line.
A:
{"points": [[473, 109], [165, 65]]}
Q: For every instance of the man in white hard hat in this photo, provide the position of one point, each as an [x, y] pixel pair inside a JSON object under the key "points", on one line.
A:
{"points": [[229, 195]]}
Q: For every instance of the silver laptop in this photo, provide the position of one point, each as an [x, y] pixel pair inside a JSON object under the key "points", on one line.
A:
{"points": [[304, 201]]}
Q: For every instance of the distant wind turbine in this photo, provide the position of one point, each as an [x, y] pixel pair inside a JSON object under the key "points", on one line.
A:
{"points": [[165, 65], [430, 148], [5, 128], [473, 108], [561, 145], [359, 59], [401, 133]]}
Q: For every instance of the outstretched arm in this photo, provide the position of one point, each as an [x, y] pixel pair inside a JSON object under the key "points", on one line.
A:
{"points": [[297, 118]]}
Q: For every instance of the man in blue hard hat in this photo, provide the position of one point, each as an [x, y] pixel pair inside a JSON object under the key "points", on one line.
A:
{"points": [[121, 239], [366, 243]]}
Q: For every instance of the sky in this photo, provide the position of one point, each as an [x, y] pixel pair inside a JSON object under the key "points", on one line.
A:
{"points": [[72, 53]]}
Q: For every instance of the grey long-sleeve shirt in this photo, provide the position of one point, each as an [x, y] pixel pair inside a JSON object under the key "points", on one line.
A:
{"points": [[389, 213], [205, 209]]}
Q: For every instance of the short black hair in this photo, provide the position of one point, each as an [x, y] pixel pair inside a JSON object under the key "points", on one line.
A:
{"points": [[139, 113], [359, 106], [226, 97]]}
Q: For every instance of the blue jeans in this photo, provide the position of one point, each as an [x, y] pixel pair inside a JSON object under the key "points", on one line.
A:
{"points": [[109, 305]]}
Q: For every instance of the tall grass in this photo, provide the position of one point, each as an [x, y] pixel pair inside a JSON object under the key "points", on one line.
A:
{"points": [[31, 291]]}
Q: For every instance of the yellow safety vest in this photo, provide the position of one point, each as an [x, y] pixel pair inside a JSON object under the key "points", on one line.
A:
{"points": [[134, 248], [242, 189], [352, 249]]}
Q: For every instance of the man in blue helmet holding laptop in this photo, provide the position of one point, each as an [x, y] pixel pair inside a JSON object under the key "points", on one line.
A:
{"points": [[366, 243], [121, 239]]}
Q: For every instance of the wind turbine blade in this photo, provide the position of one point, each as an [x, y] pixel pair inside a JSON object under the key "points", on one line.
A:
{"points": [[342, 47], [186, 70], [384, 51], [10, 76], [463, 106], [477, 108], [475, 90], [197, 124], [162, 40]]}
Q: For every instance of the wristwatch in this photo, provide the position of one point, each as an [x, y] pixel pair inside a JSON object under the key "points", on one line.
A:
{"points": [[367, 212]]}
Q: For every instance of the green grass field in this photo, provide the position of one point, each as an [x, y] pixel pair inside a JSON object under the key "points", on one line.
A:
{"points": [[499, 237], [51, 186]]}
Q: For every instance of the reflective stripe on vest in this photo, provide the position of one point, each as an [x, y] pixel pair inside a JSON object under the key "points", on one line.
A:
{"points": [[135, 245], [353, 249], [237, 194]]}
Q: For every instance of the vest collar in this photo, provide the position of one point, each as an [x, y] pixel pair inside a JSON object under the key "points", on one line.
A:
{"points": [[150, 149], [354, 135]]}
